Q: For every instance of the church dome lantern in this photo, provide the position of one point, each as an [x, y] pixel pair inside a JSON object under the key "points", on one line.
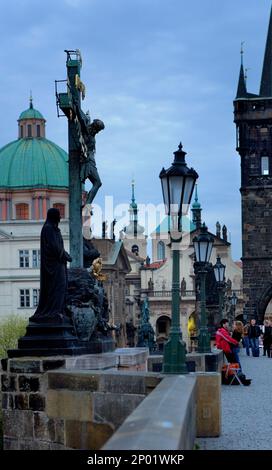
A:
{"points": [[31, 123]]}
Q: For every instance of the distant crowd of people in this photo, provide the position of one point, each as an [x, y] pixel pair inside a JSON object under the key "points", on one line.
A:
{"points": [[246, 335]]}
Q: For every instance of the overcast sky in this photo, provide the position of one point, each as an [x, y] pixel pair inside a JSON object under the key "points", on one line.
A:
{"points": [[157, 72]]}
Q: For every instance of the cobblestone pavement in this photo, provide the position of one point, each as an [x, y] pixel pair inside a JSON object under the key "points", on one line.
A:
{"points": [[246, 411]]}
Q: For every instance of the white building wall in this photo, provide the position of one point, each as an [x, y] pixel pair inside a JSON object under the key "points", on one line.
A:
{"points": [[16, 236]]}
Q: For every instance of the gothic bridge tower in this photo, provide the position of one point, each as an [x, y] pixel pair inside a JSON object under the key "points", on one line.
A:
{"points": [[253, 119]]}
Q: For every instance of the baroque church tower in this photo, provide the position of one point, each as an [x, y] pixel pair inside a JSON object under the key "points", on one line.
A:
{"points": [[253, 119]]}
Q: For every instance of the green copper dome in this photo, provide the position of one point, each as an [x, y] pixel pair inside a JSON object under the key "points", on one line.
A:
{"points": [[33, 163], [196, 205], [31, 113]]}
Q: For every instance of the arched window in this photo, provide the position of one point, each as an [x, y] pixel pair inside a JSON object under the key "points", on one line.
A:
{"points": [[22, 211], [135, 249], [61, 208], [38, 130], [29, 130], [21, 132], [265, 165], [161, 250]]}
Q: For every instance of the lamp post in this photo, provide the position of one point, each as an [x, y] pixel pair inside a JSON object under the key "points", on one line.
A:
{"points": [[219, 272], [178, 183], [203, 244]]}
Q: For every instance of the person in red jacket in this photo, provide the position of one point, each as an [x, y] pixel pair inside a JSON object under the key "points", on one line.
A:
{"points": [[224, 340]]}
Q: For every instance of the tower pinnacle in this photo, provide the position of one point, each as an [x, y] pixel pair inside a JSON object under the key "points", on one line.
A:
{"points": [[242, 89]]}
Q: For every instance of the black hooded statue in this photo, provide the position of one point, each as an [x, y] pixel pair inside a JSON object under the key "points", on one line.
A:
{"points": [[53, 272]]}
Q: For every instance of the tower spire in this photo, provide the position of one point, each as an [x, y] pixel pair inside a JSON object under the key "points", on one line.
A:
{"points": [[266, 81], [132, 191], [196, 210], [242, 89], [30, 100]]}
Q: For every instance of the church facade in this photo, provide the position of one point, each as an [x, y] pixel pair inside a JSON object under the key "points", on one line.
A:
{"points": [[153, 278]]}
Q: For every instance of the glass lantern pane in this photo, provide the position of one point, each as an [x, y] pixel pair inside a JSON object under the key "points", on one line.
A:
{"points": [[203, 251], [209, 251], [176, 187], [188, 190], [217, 274], [165, 192], [222, 275], [196, 244]]}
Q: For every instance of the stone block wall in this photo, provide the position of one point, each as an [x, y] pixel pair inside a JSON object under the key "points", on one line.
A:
{"points": [[257, 250], [23, 389], [66, 409], [166, 419]]}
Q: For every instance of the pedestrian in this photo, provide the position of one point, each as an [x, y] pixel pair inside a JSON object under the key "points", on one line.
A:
{"points": [[254, 332], [237, 334], [245, 339], [224, 340], [267, 338]]}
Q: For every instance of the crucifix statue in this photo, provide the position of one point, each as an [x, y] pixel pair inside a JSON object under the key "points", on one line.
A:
{"points": [[82, 165]]}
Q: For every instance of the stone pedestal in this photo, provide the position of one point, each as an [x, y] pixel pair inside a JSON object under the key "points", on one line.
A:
{"points": [[196, 362], [49, 340]]}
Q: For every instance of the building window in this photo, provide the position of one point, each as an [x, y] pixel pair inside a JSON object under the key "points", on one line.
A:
{"points": [[38, 130], [162, 326], [61, 208], [265, 165], [29, 130], [21, 132], [24, 258], [161, 250], [24, 298], [135, 249], [36, 258], [36, 296], [22, 211]]}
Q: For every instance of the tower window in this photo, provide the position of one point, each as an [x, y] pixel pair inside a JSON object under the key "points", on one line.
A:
{"points": [[38, 130], [265, 165], [29, 130], [21, 132], [22, 211], [161, 250], [61, 208]]}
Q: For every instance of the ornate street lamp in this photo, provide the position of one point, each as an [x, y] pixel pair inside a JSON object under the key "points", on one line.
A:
{"points": [[178, 183], [219, 272], [203, 244]]}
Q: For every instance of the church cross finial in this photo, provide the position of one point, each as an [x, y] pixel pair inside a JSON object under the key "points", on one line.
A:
{"points": [[30, 100], [133, 187], [242, 52]]}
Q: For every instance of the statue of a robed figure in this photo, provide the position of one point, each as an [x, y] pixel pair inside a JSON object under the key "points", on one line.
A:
{"points": [[53, 272]]}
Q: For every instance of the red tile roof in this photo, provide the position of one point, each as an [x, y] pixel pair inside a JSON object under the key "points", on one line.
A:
{"points": [[155, 265]]}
